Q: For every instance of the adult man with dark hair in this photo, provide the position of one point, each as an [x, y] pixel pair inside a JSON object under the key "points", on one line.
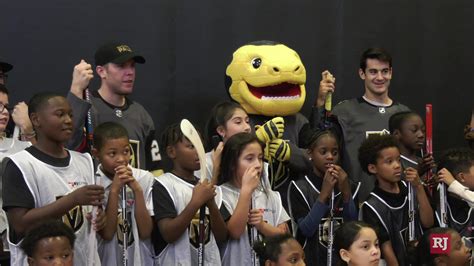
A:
{"points": [[366, 115], [115, 65]]}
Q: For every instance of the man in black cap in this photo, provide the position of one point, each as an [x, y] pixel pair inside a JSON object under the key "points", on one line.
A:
{"points": [[4, 68], [115, 65]]}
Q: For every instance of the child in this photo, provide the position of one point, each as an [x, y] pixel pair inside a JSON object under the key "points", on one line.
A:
{"points": [[48, 181], [387, 206], [227, 119], [50, 243], [251, 205], [309, 197], [409, 130], [112, 149], [458, 255], [177, 198], [280, 250], [9, 146], [457, 171], [356, 243]]}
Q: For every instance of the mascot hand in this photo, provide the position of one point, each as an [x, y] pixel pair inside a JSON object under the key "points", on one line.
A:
{"points": [[271, 130], [279, 149]]}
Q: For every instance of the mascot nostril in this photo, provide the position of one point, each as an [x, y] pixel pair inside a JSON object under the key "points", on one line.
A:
{"points": [[272, 94]]}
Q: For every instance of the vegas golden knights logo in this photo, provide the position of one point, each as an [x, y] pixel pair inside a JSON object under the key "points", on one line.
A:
{"points": [[122, 227], [74, 218], [134, 153], [194, 230]]}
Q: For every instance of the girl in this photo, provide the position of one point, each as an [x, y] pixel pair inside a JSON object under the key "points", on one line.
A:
{"points": [[409, 130], [227, 119], [309, 197], [459, 254], [280, 250], [253, 209], [356, 243]]}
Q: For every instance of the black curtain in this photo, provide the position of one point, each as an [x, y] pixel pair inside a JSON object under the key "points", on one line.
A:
{"points": [[188, 45]]}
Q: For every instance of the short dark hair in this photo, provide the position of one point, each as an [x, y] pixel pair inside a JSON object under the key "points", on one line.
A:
{"points": [[107, 131], [231, 152], [396, 120], [170, 136], [375, 53], [3, 89], [457, 160], [346, 235], [49, 228], [422, 254], [270, 247], [39, 100], [370, 149]]}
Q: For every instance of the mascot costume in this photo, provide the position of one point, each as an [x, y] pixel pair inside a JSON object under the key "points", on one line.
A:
{"points": [[268, 80]]}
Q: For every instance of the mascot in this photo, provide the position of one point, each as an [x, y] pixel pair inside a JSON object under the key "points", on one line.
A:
{"points": [[268, 80]]}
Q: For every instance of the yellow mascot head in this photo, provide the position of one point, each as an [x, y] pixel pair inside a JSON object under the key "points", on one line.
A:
{"points": [[267, 79]]}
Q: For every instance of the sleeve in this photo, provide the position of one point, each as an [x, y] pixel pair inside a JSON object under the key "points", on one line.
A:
{"points": [[309, 223], [463, 192], [79, 112], [283, 215], [369, 216], [163, 206], [152, 153], [147, 192], [225, 213], [350, 211], [15, 191]]}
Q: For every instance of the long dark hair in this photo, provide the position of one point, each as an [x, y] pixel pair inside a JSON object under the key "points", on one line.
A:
{"points": [[231, 152], [220, 114]]}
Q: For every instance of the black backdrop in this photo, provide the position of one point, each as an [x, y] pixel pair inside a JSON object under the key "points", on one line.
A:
{"points": [[188, 45]]}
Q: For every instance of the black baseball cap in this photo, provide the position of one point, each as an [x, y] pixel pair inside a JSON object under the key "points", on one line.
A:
{"points": [[117, 53], [5, 67]]}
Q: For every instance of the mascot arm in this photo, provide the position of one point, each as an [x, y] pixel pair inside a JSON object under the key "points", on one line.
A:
{"points": [[271, 130], [279, 149]]}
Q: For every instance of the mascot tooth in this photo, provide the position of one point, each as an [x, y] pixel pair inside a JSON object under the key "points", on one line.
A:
{"points": [[268, 80]]}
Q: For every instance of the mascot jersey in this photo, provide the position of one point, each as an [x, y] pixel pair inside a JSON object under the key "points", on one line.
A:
{"points": [[267, 79]]}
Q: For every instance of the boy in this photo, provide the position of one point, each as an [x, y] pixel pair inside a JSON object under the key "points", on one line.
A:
{"points": [[457, 171], [177, 198], [387, 206], [50, 243], [112, 149], [48, 181]]}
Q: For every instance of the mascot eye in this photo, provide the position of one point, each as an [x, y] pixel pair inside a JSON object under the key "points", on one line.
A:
{"points": [[256, 62]]}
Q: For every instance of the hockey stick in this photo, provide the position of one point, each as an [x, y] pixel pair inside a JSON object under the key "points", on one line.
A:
{"points": [[125, 225], [190, 132], [331, 229], [253, 236]]}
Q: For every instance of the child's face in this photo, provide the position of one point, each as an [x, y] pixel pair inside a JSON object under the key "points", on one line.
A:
{"points": [[460, 254], [291, 254], [412, 133], [4, 115], [239, 122], [364, 250], [251, 155], [52, 251], [114, 152], [54, 120], [324, 153], [185, 155], [387, 166]]}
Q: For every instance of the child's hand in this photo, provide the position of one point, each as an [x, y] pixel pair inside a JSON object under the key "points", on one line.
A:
{"points": [[445, 176], [426, 164], [88, 195], [342, 180], [256, 218], [251, 179], [203, 192], [100, 219], [329, 181], [411, 175], [122, 176]]}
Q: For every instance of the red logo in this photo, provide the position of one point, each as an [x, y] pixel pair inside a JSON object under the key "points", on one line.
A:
{"points": [[440, 243]]}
